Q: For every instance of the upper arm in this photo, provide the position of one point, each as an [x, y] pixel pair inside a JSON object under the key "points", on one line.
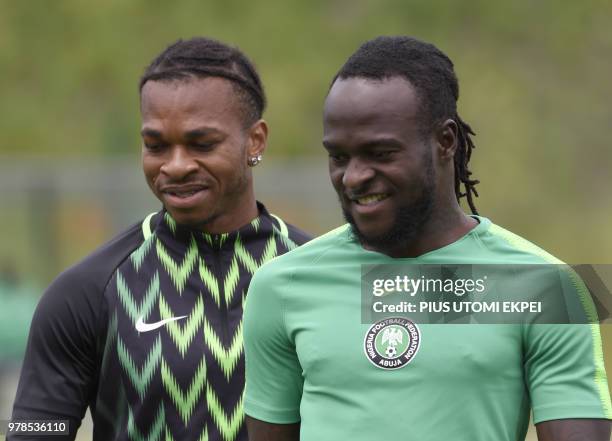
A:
{"points": [[564, 365], [273, 372], [565, 374], [58, 373], [574, 430]]}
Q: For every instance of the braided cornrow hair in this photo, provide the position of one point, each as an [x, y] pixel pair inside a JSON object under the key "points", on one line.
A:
{"points": [[462, 159], [432, 74], [205, 57]]}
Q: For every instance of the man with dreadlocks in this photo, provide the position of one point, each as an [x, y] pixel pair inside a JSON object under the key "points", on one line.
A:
{"points": [[398, 158], [147, 330]]}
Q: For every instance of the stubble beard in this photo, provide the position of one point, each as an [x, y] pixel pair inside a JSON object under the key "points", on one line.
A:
{"points": [[409, 219]]}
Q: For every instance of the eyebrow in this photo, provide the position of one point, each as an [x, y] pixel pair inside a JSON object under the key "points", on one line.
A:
{"points": [[151, 133], [197, 133], [191, 134], [386, 141], [328, 145]]}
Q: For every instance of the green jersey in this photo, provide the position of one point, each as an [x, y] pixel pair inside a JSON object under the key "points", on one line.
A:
{"points": [[306, 360]]}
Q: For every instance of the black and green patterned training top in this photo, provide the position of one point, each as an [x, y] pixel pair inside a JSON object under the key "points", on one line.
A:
{"points": [[147, 332]]}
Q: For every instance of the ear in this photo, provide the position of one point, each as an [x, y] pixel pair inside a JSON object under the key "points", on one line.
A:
{"points": [[257, 138], [447, 139]]}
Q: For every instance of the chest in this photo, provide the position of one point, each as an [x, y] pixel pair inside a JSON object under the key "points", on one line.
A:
{"points": [[176, 322], [338, 348]]}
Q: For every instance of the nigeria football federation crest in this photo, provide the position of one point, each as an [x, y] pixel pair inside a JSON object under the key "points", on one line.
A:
{"points": [[392, 343]]}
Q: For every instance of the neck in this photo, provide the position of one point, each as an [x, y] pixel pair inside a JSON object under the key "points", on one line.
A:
{"points": [[446, 225], [243, 211]]}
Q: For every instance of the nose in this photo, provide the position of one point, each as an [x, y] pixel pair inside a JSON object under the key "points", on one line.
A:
{"points": [[179, 163], [356, 174]]}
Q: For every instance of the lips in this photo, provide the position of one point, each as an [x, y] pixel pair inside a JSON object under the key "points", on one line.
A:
{"points": [[370, 199], [180, 190], [182, 193], [368, 204], [183, 196]]}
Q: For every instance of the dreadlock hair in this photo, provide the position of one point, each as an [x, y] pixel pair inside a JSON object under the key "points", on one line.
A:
{"points": [[202, 57], [431, 73]]}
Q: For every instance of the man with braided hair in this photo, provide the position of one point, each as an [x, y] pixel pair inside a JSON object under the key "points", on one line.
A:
{"points": [[147, 330], [317, 371]]}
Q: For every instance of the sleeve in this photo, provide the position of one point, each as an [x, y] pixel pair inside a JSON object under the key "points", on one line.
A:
{"points": [[58, 375], [564, 365], [273, 373]]}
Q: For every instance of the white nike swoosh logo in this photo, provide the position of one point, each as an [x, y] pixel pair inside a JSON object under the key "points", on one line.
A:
{"points": [[145, 327]]}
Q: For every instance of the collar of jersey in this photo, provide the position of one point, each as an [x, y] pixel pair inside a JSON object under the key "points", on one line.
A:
{"points": [[171, 233], [482, 227]]}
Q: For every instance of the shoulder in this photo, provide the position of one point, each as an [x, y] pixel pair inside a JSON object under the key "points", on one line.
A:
{"points": [[289, 231], [290, 234], [297, 235], [306, 254], [68, 333], [81, 287], [513, 248], [98, 266]]}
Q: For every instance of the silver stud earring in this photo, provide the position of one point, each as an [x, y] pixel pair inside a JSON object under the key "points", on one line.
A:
{"points": [[254, 160]]}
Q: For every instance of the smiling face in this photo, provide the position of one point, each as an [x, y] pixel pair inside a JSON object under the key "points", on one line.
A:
{"points": [[195, 152], [380, 163]]}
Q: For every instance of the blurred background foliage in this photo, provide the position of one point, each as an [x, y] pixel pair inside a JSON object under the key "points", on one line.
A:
{"points": [[535, 86]]}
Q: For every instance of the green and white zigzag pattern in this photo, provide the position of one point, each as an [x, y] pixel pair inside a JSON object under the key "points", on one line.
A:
{"points": [[139, 255], [226, 357], [182, 334], [140, 378], [155, 431], [228, 425], [178, 272], [223, 289], [203, 435], [127, 299], [185, 401]]}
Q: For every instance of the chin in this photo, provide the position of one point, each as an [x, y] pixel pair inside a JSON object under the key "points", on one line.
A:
{"points": [[374, 236], [371, 236], [402, 228], [379, 240]]}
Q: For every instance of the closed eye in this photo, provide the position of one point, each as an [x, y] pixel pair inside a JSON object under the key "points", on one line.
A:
{"points": [[382, 154], [155, 146], [205, 146], [338, 158]]}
